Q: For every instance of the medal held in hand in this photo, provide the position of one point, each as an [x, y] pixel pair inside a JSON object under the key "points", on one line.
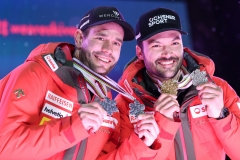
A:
{"points": [[170, 87], [198, 77], [136, 108], [109, 106]]}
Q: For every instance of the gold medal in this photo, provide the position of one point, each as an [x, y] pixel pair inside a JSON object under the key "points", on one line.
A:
{"points": [[170, 87]]}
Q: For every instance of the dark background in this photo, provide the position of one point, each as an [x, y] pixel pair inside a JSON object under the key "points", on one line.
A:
{"points": [[215, 31], [213, 27], [15, 47]]}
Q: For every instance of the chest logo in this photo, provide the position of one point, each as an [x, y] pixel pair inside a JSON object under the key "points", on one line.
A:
{"points": [[59, 101], [54, 111], [198, 111], [19, 93]]}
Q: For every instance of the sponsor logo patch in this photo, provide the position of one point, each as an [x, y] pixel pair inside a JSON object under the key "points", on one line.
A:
{"points": [[19, 93], [109, 122], [198, 111], [54, 111], [60, 101], [44, 119], [51, 63]]}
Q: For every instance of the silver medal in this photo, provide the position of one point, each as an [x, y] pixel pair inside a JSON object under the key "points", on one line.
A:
{"points": [[109, 106], [136, 108], [198, 77]]}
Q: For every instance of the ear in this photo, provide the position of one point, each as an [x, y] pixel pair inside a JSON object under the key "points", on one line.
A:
{"points": [[139, 52], [78, 38]]}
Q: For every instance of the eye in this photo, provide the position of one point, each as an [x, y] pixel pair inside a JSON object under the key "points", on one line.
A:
{"points": [[100, 38], [117, 43], [175, 43], [156, 46]]}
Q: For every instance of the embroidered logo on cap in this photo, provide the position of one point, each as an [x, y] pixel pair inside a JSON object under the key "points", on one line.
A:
{"points": [[115, 14], [160, 19]]}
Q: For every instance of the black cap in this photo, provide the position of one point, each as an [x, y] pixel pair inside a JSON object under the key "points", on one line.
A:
{"points": [[155, 21], [105, 14]]}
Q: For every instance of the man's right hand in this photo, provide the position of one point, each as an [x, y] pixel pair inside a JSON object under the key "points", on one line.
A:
{"points": [[92, 115], [167, 104]]}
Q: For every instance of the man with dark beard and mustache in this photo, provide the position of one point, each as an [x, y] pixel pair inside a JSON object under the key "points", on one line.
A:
{"points": [[57, 105], [197, 113]]}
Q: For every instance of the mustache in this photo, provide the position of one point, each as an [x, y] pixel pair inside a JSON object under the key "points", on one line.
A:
{"points": [[99, 53], [167, 59]]}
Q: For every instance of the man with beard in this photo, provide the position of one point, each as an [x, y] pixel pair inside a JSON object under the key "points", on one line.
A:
{"points": [[197, 113], [57, 105]]}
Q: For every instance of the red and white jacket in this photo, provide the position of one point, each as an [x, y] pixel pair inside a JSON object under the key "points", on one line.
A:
{"points": [[198, 136], [39, 101]]}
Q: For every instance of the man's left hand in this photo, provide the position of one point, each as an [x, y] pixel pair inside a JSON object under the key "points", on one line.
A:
{"points": [[147, 128], [211, 95]]}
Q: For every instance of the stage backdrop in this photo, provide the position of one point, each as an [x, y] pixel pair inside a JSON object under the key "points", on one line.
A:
{"points": [[25, 24]]}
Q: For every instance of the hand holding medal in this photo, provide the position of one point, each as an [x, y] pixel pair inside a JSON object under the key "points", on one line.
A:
{"points": [[209, 93], [167, 104], [135, 109]]}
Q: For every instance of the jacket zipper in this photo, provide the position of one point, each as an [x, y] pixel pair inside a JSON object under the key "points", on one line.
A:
{"points": [[182, 134]]}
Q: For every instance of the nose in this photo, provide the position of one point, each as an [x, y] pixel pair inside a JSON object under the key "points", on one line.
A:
{"points": [[107, 47], [167, 51]]}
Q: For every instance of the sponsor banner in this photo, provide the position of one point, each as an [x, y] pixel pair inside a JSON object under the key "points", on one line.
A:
{"points": [[59, 101], [109, 122], [51, 63], [54, 111], [198, 111]]}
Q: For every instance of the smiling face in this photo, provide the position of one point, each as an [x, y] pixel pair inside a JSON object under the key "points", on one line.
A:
{"points": [[162, 54], [100, 49]]}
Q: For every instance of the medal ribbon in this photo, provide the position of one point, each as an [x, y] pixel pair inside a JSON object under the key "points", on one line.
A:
{"points": [[183, 84], [95, 81]]}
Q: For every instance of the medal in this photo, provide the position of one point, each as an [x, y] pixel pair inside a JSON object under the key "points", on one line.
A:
{"points": [[109, 106], [198, 77], [136, 108], [169, 86]]}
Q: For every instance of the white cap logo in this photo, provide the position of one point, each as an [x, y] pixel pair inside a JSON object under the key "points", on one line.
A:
{"points": [[116, 13], [159, 19]]}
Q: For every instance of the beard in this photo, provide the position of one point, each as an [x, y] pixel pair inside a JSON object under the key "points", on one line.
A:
{"points": [[161, 72], [86, 57]]}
